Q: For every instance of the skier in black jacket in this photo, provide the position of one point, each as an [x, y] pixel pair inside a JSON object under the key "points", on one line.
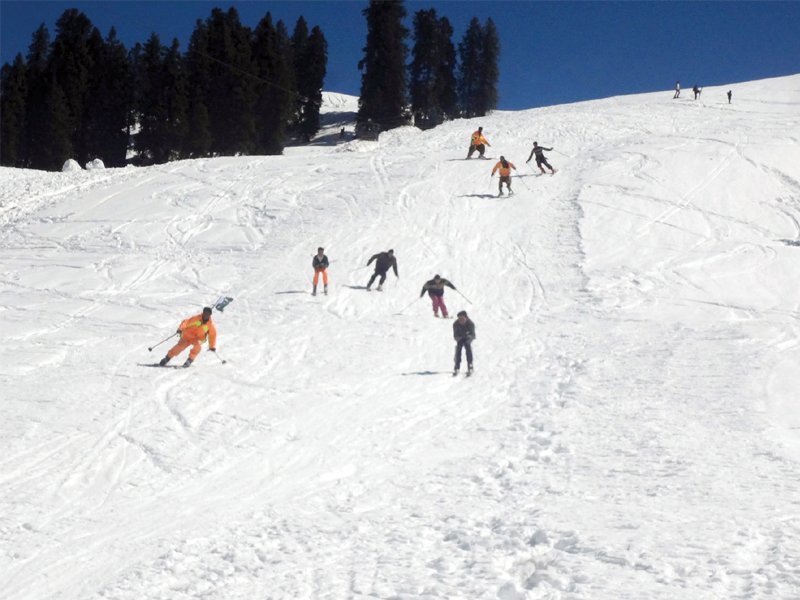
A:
{"points": [[383, 262], [435, 289], [540, 159], [463, 333], [320, 265]]}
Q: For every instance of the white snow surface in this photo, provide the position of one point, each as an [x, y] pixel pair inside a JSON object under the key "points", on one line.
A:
{"points": [[631, 430]]}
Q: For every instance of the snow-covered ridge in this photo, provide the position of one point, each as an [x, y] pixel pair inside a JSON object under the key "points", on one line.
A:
{"points": [[631, 430]]}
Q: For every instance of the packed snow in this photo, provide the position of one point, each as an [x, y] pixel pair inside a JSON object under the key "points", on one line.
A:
{"points": [[632, 429]]}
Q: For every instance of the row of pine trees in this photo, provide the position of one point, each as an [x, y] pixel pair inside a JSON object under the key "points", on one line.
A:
{"points": [[235, 90]]}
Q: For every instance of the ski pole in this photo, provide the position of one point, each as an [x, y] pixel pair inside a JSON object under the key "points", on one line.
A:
{"points": [[150, 348], [561, 153], [464, 297], [404, 308], [219, 357]]}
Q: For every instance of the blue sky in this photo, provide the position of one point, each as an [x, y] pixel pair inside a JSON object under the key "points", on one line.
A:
{"points": [[552, 52]]}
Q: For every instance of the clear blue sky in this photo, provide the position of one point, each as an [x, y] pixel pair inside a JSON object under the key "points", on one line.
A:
{"points": [[552, 52]]}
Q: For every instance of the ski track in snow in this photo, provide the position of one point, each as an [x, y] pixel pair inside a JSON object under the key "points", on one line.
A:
{"points": [[630, 431]]}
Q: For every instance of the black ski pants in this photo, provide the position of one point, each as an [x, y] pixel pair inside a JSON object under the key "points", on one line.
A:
{"points": [[376, 274], [466, 344], [472, 148]]}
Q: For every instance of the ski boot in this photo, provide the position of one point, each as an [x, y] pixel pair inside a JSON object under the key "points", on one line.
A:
{"points": [[188, 363], [455, 371], [163, 361], [325, 290], [469, 370], [380, 287], [314, 291]]}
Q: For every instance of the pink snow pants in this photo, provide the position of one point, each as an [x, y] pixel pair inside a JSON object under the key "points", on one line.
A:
{"points": [[438, 302]]}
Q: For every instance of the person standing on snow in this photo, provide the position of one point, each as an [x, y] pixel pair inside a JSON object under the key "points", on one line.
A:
{"points": [[320, 265], [435, 289], [504, 167], [540, 159], [730, 93], [476, 142], [677, 90], [194, 331], [464, 334], [383, 262], [696, 91]]}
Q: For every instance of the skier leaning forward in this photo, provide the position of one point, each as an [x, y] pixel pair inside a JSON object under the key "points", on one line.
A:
{"points": [[464, 334], [435, 289], [194, 331], [540, 159], [383, 262], [477, 142], [504, 166]]}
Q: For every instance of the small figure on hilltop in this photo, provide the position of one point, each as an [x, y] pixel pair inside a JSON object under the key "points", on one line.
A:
{"points": [[677, 90], [464, 334], [696, 91], [730, 93], [504, 167], [320, 265], [540, 159], [383, 262], [194, 331], [477, 142], [435, 289]]}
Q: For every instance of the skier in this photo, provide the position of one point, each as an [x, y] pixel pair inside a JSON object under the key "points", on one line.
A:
{"points": [[320, 264], [540, 159], [677, 90], [383, 262], [504, 167], [696, 91], [464, 334], [730, 93], [435, 289], [476, 142], [194, 332]]}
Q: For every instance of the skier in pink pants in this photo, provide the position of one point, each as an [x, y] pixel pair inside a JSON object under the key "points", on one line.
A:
{"points": [[435, 289]]}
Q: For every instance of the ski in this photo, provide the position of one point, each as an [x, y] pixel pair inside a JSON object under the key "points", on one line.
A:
{"points": [[160, 366]]}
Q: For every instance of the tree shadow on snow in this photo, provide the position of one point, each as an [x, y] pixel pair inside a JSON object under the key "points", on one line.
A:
{"points": [[427, 373]]}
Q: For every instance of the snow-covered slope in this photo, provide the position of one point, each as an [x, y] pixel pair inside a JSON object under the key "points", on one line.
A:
{"points": [[631, 430]]}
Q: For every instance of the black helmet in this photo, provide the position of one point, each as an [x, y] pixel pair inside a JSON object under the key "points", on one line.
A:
{"points": [[535, 143], [206, 310], [390, 251], [462, 313], [480, 128], [502, 157], [436, 277]]}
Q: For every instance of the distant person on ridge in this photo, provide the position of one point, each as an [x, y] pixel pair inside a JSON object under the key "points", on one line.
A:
{"points": [[476, 142], [540, 159], [730, 93], [383, 262], [194, 331], [435, 289], [504, 167], [320, 265], [677, 90], [696, 91], [464, 334]]}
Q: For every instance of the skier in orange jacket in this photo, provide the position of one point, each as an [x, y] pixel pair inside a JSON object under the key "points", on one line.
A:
{"points": [[504, 166], [476, 142], [194, 331]]}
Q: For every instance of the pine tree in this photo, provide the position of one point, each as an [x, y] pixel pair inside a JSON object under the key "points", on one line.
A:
{"points": [[151, 112], [431, 73], [383, 82], [198, 141], [310, 59], [470, 51], [13, 95], [72, 63], [490, 71], [176, 101]]}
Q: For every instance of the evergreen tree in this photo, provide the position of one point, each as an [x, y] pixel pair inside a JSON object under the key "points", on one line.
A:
{"points": [[13, 95], [151, 113], [490, 71], [198, 141], [431, 73], [110, 100], [276, 89], [176, 101], [72, 62], [383, 82], [299, 45], [311, 59], [48, 121], [469, 84], [231, 91]]}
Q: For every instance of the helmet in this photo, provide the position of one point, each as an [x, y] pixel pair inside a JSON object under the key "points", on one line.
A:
{"points": [[206, 310], [462, 313], [436, 277]]}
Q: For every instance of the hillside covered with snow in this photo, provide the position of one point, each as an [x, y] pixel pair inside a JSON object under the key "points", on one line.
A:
{"points": [[632, 429]]}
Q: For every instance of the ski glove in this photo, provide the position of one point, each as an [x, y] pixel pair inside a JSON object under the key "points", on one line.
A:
{"points": [[179, 331]]}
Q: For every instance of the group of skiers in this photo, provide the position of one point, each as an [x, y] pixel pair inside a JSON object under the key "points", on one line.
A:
{"points": [[478, 143], [696, 91]]}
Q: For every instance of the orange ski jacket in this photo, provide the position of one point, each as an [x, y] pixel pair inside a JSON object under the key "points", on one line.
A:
{"points": [[194, 330], [503, 171], [478, 139]]}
